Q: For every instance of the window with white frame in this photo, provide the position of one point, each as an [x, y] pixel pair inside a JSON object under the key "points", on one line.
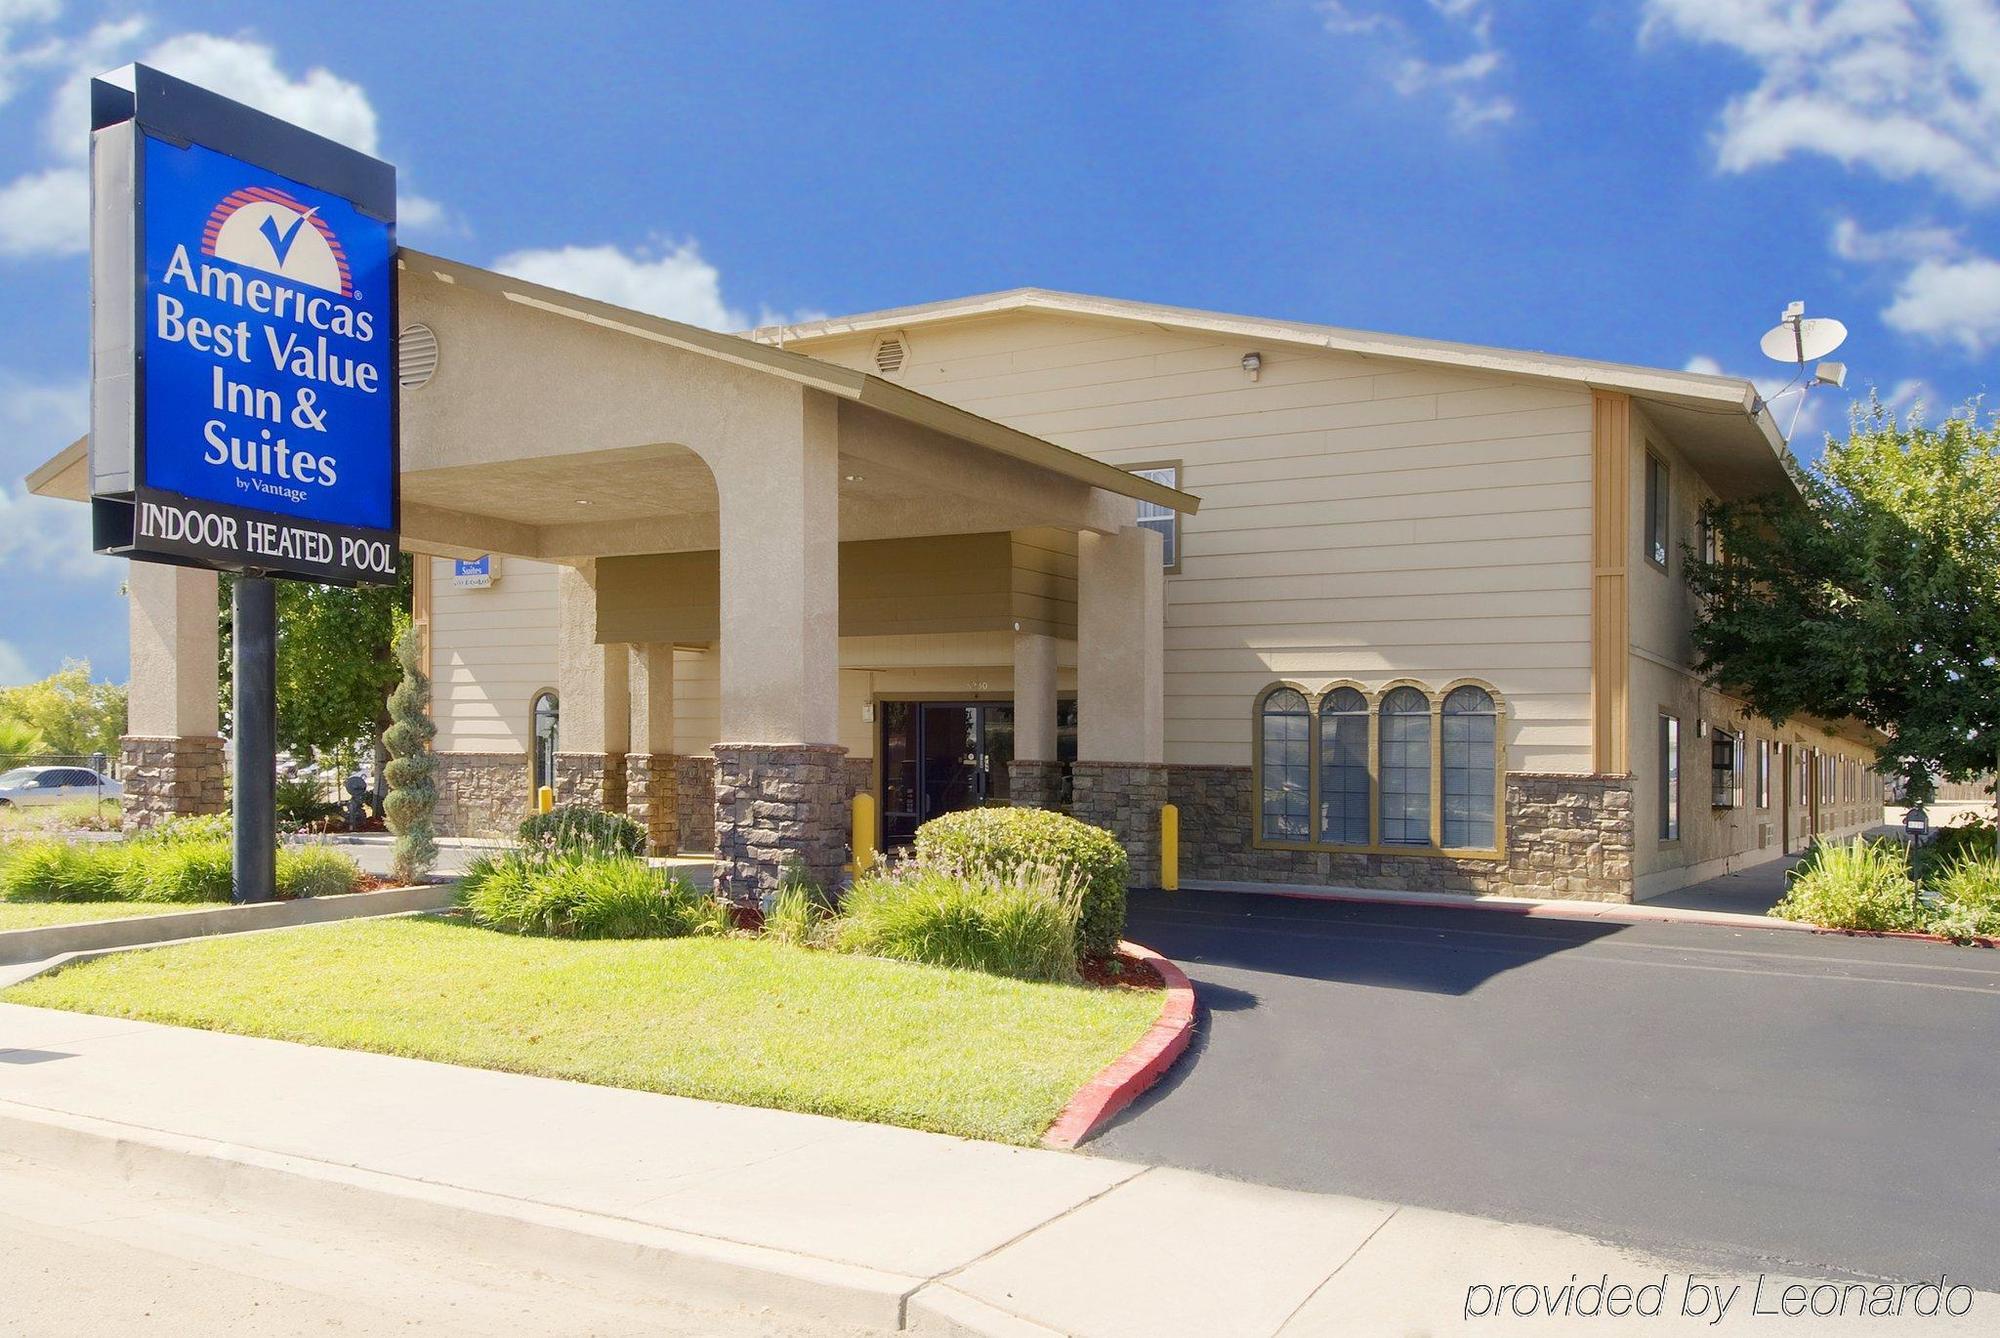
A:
{"points": [[1165, 519], [1763, 773]]}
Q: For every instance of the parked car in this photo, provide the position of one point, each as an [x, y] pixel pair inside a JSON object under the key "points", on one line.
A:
{"points": [[28, 786]]}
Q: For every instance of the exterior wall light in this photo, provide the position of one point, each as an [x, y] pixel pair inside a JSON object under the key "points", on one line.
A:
{"points": [[1253, 363]]}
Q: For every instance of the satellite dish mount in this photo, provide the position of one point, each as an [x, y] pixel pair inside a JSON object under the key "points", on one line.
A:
{"points": [[1800, 339]]}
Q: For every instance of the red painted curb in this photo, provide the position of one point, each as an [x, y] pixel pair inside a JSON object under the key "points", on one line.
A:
{"points": [[1118, 1083], [1976, 941]]}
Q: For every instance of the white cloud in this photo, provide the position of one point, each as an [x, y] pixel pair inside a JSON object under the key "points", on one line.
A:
{"points": [[1851, 241], [46, 211], [14, 16], [676, 283], [13, 666], [40, 534], [1451, 57], [1906, 89], [1951, 301]]}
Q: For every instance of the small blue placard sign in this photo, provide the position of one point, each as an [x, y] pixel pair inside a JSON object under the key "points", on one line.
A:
{"points": [[472, 573], [263, 415]]}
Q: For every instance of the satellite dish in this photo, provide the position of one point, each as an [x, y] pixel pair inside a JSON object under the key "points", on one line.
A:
{"points": [[1801, 339]]}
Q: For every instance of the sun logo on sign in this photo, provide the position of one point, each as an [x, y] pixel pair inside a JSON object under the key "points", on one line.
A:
{"points": [[264, 228]]}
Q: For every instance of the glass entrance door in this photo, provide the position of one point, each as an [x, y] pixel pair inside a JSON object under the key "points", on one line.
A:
{"points": [[940, 757]]}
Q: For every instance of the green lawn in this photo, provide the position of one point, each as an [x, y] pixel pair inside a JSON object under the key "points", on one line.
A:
{"points": [[35, 914], [740, 1020]]}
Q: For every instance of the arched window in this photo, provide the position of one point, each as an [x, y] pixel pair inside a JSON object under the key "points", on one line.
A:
{"points": [[1471, 732], [542, 768], [1285, 733], [1343, 768], [1406, 768]]}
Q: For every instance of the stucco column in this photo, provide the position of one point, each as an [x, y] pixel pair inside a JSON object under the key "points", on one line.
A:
{"points": [[172, 750], [591, 679], [1034, 778], [780, 784], [652, 775], [1120, 776]]}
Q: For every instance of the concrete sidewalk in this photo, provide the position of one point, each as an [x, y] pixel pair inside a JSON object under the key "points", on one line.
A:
{"points": [[860, 1223]]}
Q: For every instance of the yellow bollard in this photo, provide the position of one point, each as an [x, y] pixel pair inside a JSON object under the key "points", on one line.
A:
{"points": [[1170, 848], [864, 834], [545, 799]]}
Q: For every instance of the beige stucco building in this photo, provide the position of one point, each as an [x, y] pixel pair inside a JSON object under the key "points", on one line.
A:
{"points": [[1371, 611]]}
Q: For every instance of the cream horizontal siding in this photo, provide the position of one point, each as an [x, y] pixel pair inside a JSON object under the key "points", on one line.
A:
{"points": [[491, 650], [1361, 518]]}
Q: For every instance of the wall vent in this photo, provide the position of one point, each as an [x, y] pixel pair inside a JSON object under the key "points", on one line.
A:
{"points": [[890, 353], [416, 356], [1763, 836]]}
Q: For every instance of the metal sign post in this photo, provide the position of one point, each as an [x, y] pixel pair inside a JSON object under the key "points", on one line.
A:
{"points": [[253, 803]]}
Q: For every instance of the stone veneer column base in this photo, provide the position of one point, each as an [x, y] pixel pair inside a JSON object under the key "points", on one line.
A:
{"points": [[591, 778], [482, 794], [652, 799], [1034, 784], [1124, 798], [170, 778], [775, 803]]}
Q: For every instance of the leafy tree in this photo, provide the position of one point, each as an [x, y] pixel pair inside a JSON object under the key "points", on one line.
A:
{"points": [[74, 716], [412, 768], [1875, 594], [335, 662]]}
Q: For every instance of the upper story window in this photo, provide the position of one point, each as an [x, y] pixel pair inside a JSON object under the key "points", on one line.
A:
{"points": [[1167, 521], [1659, 501]]}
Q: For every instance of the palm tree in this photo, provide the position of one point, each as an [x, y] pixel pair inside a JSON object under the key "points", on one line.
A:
{"points": [[19, 740]]}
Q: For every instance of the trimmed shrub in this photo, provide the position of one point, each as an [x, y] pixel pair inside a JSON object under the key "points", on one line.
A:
{"points": [[583, 829], [47, 870], [1002, 842], [585, 896], [1021, 923], [1966, 898], [1857, 884], [315, 871], [297, 801]]}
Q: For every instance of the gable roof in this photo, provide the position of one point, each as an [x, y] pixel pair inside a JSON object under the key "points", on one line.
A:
{"points": [[1721, 422], [865, 388]]}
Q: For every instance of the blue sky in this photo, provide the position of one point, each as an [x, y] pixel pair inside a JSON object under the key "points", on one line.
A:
{"points": [[1640, 180]]}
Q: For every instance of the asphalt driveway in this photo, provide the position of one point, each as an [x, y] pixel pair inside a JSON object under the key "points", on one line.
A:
{"points": [[1736, 1098]]}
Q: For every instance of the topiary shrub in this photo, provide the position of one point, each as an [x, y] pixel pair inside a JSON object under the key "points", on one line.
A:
{"points": [[412, 800], [315, 871], [1857, 884], [585, 896], [1001, 841], [1021, 922], [583, 829]]}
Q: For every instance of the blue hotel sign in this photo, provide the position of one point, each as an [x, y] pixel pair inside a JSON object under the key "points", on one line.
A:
{"points": [[243, 412]]}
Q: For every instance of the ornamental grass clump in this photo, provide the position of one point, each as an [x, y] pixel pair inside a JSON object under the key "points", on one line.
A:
{"points": [[315, 871], [585, 896], [583, 829], [1001, 842], [52, 870], [1965, 898], [1021, 922], [181, 868], [1857, 884]]}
